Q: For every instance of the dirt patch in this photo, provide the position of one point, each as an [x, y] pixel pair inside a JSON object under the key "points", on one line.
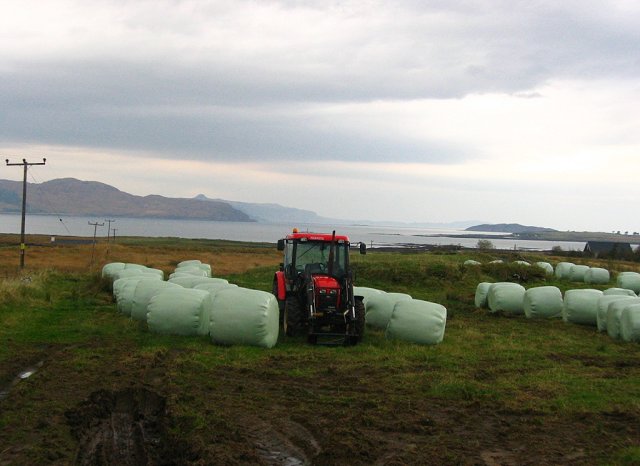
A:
{"points": [[128, 427]]}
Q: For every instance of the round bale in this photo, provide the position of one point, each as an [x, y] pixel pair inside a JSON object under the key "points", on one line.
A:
{"points": [[506, 297], [581, 306], [417, 321], [630, 323], [543, 302], [597, 276], [614, 314], [482, 292]]}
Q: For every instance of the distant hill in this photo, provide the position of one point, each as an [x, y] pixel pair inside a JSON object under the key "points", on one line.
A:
{"points": [[74, 197], [509, 228], [271, 212]]}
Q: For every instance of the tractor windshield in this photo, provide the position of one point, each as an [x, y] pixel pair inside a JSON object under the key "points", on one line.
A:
{"points": [[314, 256]]}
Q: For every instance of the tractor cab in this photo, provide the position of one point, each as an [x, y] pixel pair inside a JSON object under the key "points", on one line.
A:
{"points": [[314, 288]]}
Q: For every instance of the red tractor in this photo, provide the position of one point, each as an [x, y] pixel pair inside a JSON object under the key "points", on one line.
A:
{"points": [[314, 287]]}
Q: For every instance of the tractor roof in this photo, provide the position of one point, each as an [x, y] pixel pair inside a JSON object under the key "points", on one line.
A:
{"points": [[317, 237]]}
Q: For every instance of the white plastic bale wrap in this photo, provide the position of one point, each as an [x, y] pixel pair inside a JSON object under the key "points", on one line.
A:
{"points": [[548, 268], [120, 283], [417, 321], [125, 273], [244, 317], [365, 292], [179, 311], [142, 295], [189, 271], [630, 323], [131, 266], [482, 292], [543, 302], [581, 306], [563, 269], [525, 263], [619, 291], [497, 261], [471, 262], [603, 308], [109, 269], [614, 313], [187, 265], [190, 281], [126, 292], [597, 276], [577, 273], [214, 288], [379, 308], [506, 297], [152, 271], [629, 281]]}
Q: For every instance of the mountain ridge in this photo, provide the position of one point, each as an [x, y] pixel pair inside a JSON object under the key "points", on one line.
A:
{"points": [[91, 198]]}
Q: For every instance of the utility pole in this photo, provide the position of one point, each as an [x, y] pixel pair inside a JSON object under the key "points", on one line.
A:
{"points": [[114, 234], [109, 221], [95, 231], [25, 164]]}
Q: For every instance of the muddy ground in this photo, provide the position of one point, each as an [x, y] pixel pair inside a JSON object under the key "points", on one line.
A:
{"points": [[163, 407]]}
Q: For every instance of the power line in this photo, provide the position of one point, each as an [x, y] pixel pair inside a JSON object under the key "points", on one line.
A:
{"points": [[25, 165]]}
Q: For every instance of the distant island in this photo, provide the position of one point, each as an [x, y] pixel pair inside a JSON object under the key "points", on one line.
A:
{"points": [[514, 228]]}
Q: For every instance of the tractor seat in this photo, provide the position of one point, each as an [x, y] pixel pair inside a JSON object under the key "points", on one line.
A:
{"points": [[313, 268]]}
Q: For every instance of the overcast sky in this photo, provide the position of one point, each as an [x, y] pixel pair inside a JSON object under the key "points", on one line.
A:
{"points": [[416, 111]]}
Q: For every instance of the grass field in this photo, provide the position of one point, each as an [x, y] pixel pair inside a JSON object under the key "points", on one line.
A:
{"points": [[498, 390]]}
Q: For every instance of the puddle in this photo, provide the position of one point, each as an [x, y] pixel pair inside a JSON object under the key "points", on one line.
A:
{"points": [[23, 375]]}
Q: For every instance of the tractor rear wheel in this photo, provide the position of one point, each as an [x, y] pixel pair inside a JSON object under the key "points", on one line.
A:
{"points": [[293, 321]]}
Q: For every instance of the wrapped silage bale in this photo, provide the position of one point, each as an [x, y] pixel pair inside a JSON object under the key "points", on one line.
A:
{"points": [[482, 292], [152, 271], [365, 292], [471, 262], [506, 297], [244, 317], [120, 283], [563, 269], [417, 321], [109, 269], [131, 266], [126, 292], [145, 290], [619, 291], [630, 323], [581, 306], [614, 313], [597, 276], [190, 281], [543, 302], [603, 308], [497, 261], [214, 288], [548, 268], [125, 273], [185, 265], [189, 263], [522, 263], [190, 271], [179, 311], [577, 273], [629, 280], [379, 308]]}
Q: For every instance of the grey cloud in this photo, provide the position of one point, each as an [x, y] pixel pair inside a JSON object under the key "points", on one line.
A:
{"points": [[441, 50]]}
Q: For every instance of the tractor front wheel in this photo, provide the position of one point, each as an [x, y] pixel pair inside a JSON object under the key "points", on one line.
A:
{"points": [[293, 320], [359, 323]]}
